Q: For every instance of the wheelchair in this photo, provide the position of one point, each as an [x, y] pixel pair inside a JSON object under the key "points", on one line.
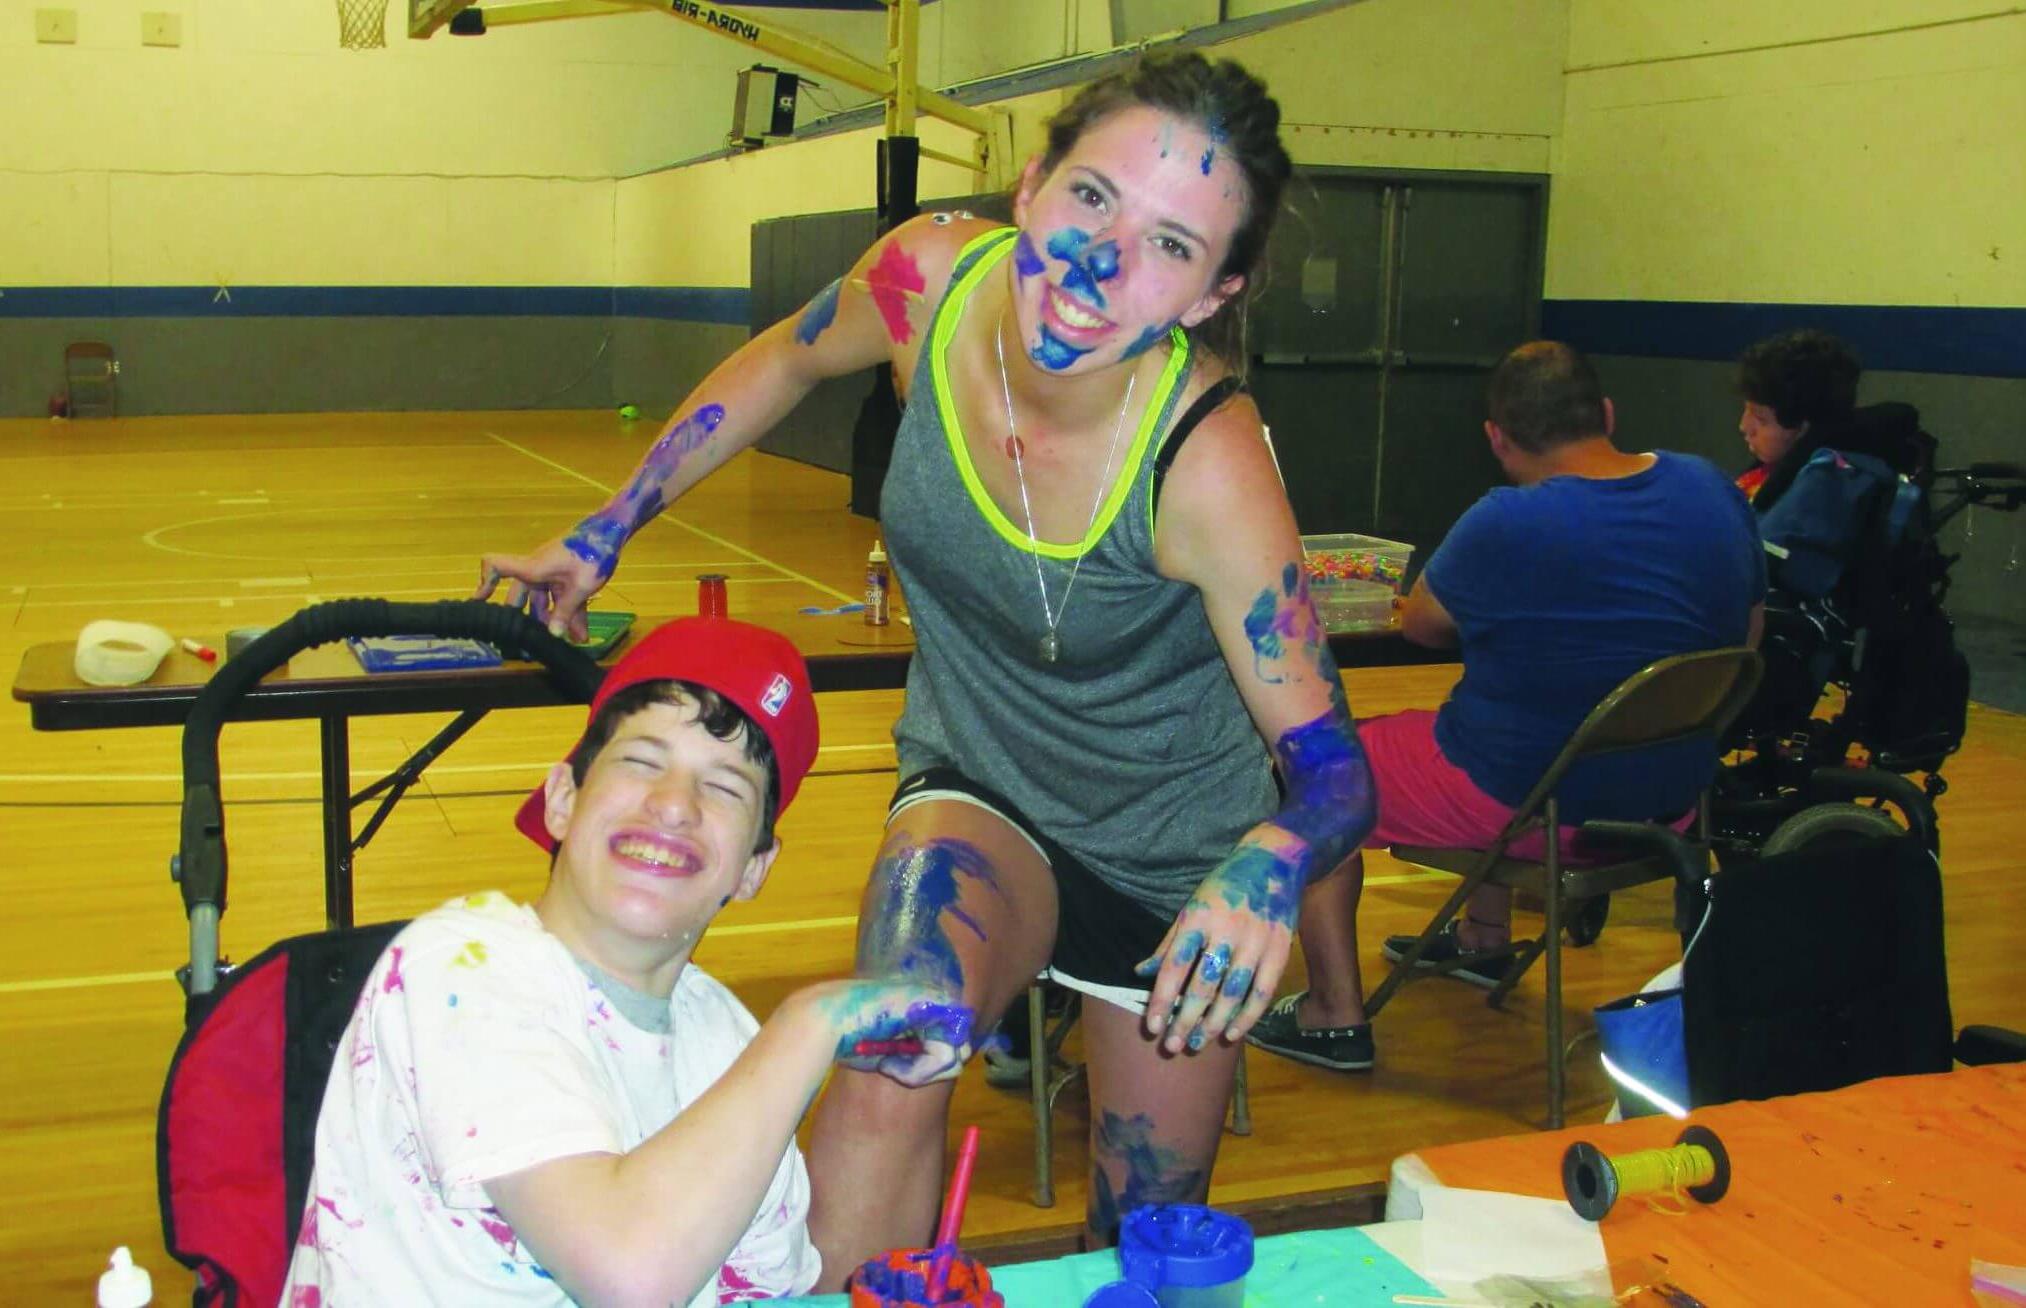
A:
{"points": [[1864, 687], [236, 1129]]}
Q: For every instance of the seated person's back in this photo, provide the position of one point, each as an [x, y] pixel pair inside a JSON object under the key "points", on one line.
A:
{"points": [[1564, 585], [1563, 589]]}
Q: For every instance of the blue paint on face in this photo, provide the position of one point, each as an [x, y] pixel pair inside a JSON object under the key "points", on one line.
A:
{"points": [[821, 312], [914, 887], [1088, 263], [1209, 157], [1026, 260], [1054, 353], [1149, 338]]}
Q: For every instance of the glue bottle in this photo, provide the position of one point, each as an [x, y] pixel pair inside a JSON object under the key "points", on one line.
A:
{"points": [[878, 586], [123, 1284]]}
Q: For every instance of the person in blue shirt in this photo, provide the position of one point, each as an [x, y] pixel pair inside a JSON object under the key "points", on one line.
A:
{"points": [[1594, 563]]}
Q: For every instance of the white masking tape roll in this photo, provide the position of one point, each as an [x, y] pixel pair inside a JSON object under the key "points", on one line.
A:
{"points": [[120, 653]]}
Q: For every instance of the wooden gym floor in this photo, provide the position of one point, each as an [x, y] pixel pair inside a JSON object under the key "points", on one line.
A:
{"points": [[199, 524]]}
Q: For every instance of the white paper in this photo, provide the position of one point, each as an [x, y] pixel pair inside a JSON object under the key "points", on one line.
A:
{"points": [[1469, 1235]]}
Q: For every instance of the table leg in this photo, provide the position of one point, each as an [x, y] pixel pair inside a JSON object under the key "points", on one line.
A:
{"points": [[337, 764]]}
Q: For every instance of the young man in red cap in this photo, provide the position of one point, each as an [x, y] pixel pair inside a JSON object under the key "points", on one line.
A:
{"points": [[546, 1103]]}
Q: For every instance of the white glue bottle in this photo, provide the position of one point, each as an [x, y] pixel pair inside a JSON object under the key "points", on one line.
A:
{"points": [[124, 1284], [878, 587]]}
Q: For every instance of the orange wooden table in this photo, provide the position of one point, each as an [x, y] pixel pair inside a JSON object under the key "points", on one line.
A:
{"points": [[1881, 1193]]}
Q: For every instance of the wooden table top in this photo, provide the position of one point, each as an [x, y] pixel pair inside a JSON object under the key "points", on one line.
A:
{"points": [[843, 652]]}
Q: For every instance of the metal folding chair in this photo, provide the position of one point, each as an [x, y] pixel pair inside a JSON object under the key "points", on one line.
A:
{"points": [[1675, 699]]}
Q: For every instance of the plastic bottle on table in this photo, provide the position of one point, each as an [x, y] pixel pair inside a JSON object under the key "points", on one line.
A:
{"points": [[124, 1284], [878, 587]]}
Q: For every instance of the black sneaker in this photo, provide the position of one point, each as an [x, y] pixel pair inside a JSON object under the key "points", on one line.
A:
{"points": [[1485, 975], [1340, 1048]]}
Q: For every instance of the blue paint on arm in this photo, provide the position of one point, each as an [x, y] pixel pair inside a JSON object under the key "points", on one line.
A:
{"points": [[821, 312], [598, 539], [1331, 803]]}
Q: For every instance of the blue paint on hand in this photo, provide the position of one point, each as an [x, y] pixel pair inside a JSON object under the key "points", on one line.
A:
{"points": [[1239, 983], [1214, 964], [819, 314]]}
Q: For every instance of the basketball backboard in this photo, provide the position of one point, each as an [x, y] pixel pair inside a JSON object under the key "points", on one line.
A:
{"points": [[425, 16]]}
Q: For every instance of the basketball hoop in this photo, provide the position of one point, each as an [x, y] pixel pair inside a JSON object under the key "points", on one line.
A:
{"points": [[362, 24]]}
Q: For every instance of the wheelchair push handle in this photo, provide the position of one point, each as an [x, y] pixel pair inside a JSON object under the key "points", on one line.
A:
{"points": [[200, 863]]}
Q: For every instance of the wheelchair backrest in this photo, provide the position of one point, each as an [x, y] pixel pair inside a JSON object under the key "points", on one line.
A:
{"points": [[236, 1130]]}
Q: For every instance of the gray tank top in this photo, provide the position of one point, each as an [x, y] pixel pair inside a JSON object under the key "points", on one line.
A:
{"points": [[1133, 751]]}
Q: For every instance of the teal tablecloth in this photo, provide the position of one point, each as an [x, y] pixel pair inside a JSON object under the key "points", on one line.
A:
{"points": [[1301, 1268]]}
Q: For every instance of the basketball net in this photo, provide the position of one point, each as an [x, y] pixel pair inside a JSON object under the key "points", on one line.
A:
{"points": [[362, 24]]}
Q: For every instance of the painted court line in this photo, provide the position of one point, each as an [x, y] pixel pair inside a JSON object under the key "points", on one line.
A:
{"points": [[437, 770], [716, 932], [671, 518], [135, 978]]}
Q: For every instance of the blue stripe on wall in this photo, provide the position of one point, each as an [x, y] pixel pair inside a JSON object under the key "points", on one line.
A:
{"points": [[725, 304], [1977, 342], [716, 304]]}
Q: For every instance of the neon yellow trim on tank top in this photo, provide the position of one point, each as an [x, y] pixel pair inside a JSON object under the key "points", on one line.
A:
{"points": [[947, 318]]}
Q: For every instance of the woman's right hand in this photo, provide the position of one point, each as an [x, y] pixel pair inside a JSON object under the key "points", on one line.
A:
{"points": [[554, 583]]}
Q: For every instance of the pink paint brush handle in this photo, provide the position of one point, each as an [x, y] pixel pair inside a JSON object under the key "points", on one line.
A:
{"points": [[881, 1048], [953, 1214]]}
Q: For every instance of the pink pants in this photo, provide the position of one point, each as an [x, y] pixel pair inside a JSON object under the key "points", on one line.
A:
{"points": [[1424, 799]]}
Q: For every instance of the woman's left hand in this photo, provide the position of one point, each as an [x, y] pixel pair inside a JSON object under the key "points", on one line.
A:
{"points": [[1222, 959]]}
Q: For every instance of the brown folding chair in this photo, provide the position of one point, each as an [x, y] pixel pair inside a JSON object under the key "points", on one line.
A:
{"points": [[90, 370], [1674, 699]]}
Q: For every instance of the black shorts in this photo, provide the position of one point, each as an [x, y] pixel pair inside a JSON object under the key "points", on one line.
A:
{"points": [[1100, 934]]}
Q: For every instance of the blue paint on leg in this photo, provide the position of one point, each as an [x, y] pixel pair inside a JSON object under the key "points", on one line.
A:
{"points": [[916, 886]]}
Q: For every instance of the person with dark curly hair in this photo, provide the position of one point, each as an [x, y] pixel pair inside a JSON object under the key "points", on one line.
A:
{"points": [[1799, 387]]}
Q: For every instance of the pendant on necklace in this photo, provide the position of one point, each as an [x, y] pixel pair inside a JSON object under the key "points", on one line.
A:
{"points": [[1051, 648]]}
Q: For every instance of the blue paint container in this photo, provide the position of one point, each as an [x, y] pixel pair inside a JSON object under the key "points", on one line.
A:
{"points": [[1188, 1255]]}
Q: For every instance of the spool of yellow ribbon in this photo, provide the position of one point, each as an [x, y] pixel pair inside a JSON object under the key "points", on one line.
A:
{"points": [[1697, 1165]]}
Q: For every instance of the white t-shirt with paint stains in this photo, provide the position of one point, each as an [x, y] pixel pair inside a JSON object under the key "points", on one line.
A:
{"points": [[479, 1048]]}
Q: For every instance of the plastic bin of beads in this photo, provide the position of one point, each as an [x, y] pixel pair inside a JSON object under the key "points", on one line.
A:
{"points": [[1348, 556], [1353, 605]]}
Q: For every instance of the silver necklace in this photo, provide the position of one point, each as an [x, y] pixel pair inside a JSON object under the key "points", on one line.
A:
{"points": [[1050, 648]]}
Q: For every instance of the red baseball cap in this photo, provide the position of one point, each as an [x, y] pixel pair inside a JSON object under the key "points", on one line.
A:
{"points": [[757, 669]]}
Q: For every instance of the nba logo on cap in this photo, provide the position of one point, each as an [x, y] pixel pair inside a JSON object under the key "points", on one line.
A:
{"points": [[776, 697]]}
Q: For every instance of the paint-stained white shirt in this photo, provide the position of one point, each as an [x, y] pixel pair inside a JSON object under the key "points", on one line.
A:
{"points": [[479, 1048]]}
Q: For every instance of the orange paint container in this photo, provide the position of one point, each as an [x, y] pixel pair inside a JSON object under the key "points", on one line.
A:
{"points": [[899, 1278]]}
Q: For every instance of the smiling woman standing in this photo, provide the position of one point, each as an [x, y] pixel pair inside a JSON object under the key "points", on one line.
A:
{"points": [[1115, 639]]}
